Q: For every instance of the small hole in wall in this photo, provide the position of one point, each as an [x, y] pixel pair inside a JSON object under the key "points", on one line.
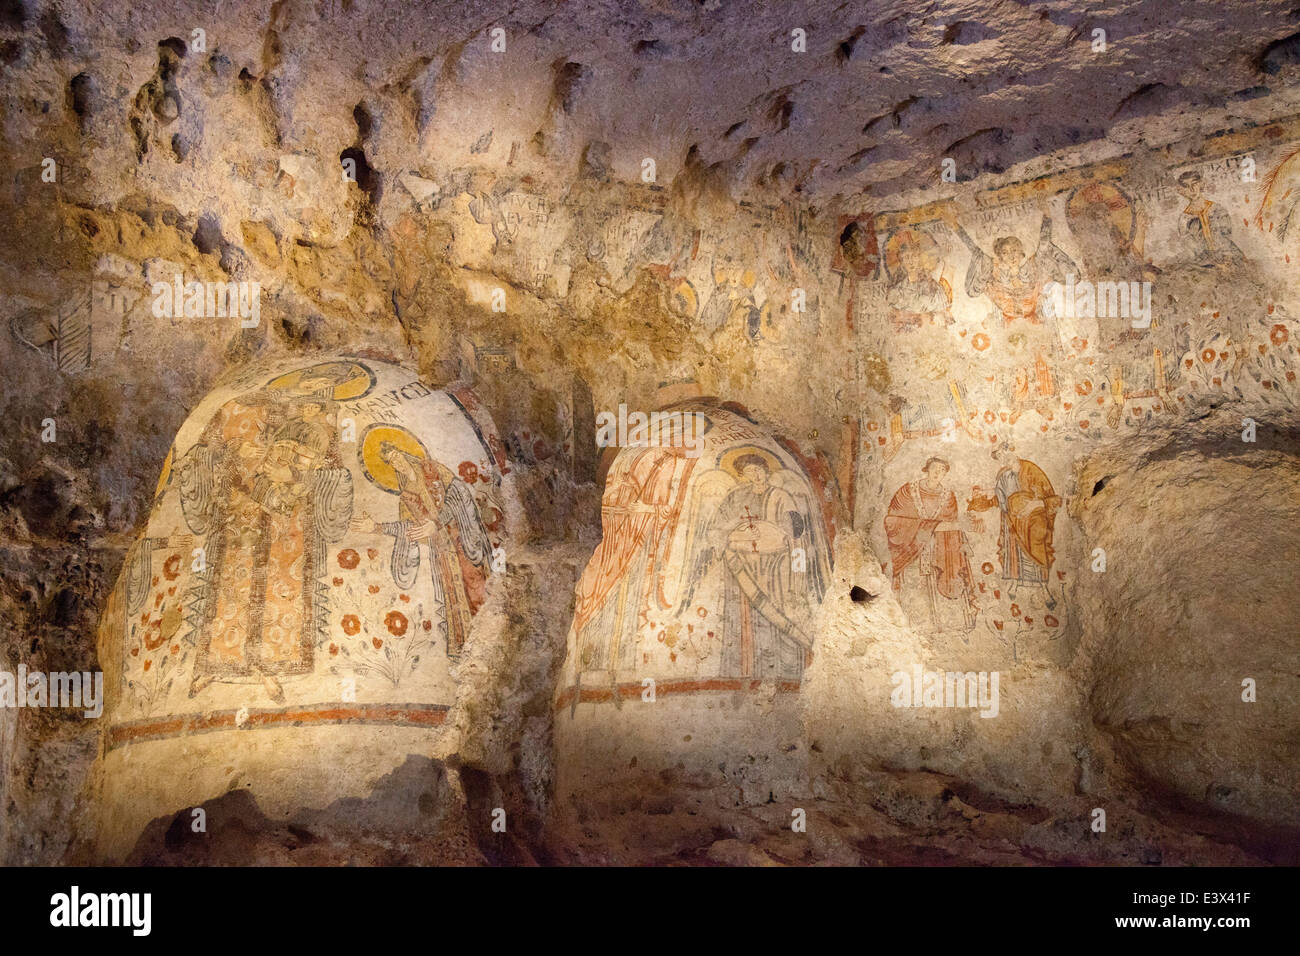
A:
{"points": [[860, 595], [1096, 489]]}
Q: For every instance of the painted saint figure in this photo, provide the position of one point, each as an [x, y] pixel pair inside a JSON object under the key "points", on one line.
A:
{"points": [[266, 485], [926, 540], [1206, 223], [1027, 502], [753, 535], [1013, 281], [915, 296], [1018, 287], [639, 512], [435, 509]]}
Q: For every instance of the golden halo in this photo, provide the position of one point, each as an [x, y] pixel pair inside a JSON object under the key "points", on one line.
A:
{"points": [[1118, 206], [376, 469], [727, 460], [358, 383], [684, 300]]}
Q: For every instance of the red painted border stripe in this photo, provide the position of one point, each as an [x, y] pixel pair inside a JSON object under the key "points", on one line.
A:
{"points": [[629, 691], [399, 715]]}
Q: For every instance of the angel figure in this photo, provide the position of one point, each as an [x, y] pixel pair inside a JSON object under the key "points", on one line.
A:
{"points": [[766, 533], [437, 509]]}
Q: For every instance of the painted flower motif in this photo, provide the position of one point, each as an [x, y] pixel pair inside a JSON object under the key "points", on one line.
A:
{"points": [[334, 650], [987, 567], [1279, 335], [351, 624], [1084, 387], [338, 581], [348, 559], [148, 664], [1051, 621], [1208, 355], [980, 341], [378, 642], [396, 623], [171, 567], [1015, 610], [468, 472], [373, 589]]}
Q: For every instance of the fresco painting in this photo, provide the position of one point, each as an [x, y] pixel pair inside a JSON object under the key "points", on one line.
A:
{"points": [[320, 537], [708, 571]]}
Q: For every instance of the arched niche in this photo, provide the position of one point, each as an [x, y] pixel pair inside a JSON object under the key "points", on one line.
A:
{"points": [[291, 619], [693, 620]]}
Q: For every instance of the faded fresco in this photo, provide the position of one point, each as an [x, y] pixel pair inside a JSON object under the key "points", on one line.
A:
{"points": [[1009, 332], [708, 570], [320, 541]]}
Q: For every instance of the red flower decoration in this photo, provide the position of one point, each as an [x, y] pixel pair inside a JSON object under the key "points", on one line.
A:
{"points": [[1015, 610], [980, 341], [334, 650], [1279, 335], [1207, 355], [171, 565], [987, 567], [351, 624], [378, 642], [396, 622], [349, 559], [468, 472], [1051, 621]]}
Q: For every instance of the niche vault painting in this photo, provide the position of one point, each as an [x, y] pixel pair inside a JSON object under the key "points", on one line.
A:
{"points": [[708, 571], [319, 544]]}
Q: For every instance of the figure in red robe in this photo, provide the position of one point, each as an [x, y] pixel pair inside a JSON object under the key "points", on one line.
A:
{"points": [[925, 540]]}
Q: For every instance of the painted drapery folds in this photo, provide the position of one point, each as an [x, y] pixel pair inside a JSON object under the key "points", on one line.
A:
{"points": [[320, 543], [708, 570]]}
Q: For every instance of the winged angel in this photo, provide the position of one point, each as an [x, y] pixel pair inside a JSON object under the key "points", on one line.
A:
{"points": [[751, 522]]}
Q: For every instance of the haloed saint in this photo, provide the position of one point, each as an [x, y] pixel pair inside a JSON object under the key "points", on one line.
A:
{"points": [[436, 517]]}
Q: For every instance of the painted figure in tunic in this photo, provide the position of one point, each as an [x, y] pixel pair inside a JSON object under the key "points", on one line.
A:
{"points": [[766, 536], [927, 547], [266, 484], [915, 296], [1028, 504], [1017, 286], [1206, 223], [639, 512], [434, 509]]}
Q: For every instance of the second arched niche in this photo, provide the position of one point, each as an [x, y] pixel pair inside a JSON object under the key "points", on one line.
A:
{"points": [[693, 620]]}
